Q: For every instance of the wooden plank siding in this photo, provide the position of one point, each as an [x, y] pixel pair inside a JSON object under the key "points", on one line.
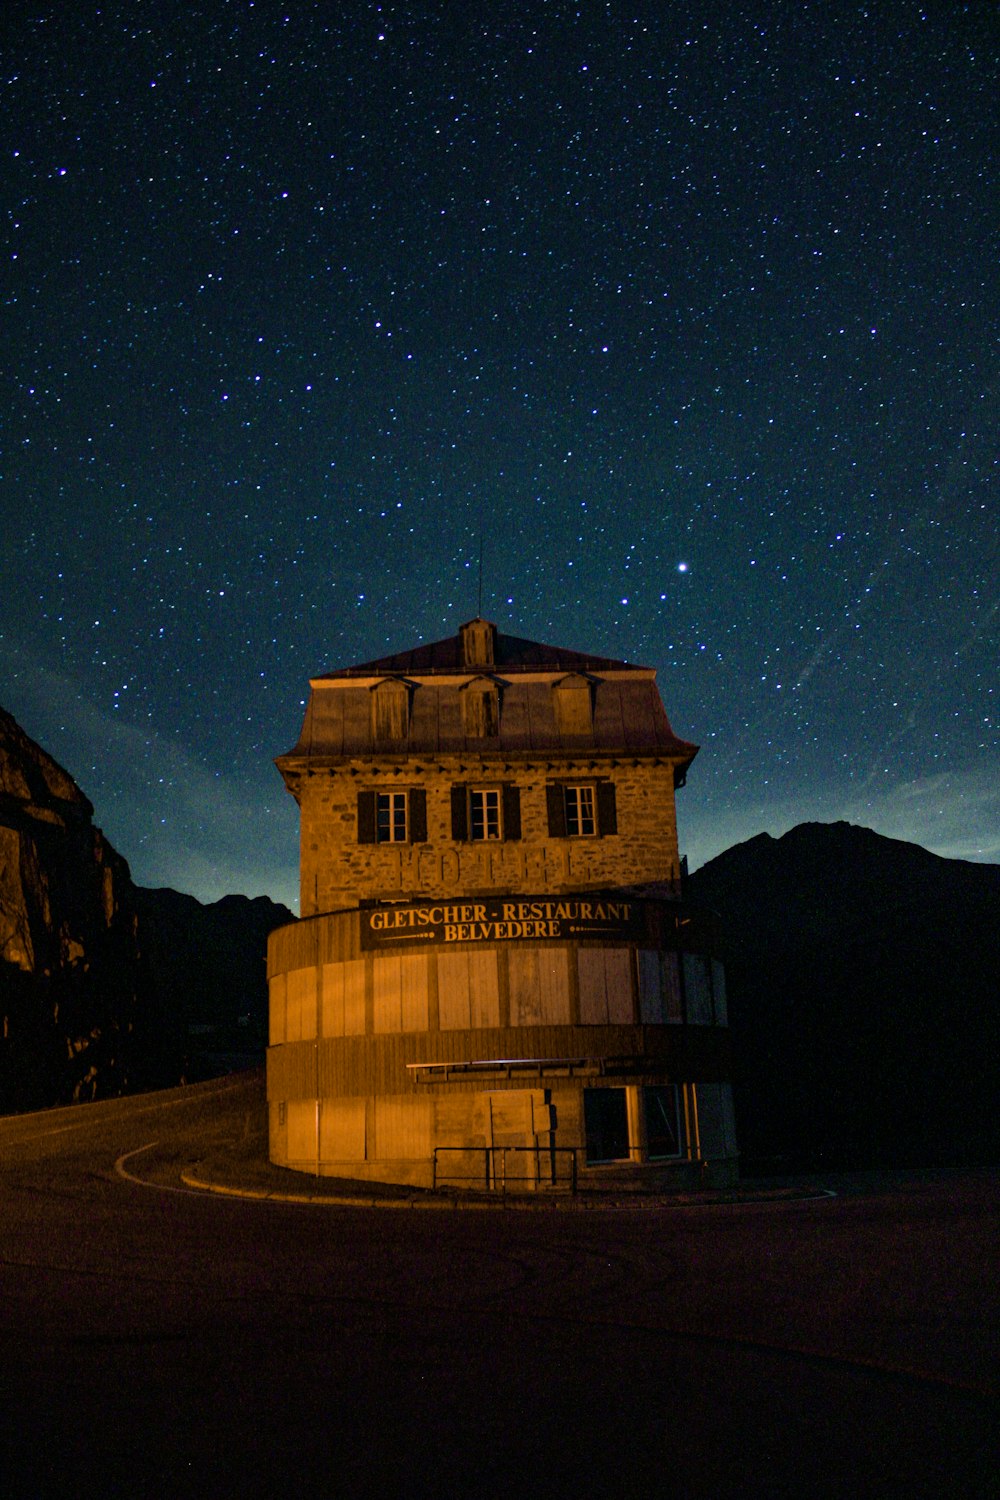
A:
{"points": [[400, 991], [292, 947], [320, 980], [343, 998], [609, 725], [539, 984], [606, 985], [357, 721], [640, 721], [326, 724], [370, 1065], [450, 728], [514, 721], [468, 989]]}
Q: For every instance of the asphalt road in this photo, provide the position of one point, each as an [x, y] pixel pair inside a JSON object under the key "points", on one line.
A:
{"points": [[157, 1341]]}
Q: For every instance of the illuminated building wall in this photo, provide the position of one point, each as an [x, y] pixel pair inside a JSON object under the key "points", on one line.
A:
{"points": [[495, 978]]}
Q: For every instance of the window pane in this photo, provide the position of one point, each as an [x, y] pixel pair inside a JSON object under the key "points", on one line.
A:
{"points": [[391, 817], [580, 811], [662, 1127], [484, 814], [605, 1117]]}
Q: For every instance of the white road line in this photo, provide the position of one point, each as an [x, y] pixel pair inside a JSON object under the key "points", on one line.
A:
{"points": [[107, 1118]]}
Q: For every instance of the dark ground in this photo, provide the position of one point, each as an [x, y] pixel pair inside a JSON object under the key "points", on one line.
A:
{"points": [[157, 1341]]}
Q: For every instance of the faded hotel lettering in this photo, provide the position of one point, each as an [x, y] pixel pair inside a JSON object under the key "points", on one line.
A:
{"points": [[491, 920]]}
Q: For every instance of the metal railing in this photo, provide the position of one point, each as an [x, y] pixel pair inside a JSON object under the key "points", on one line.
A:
{"points": [[495, 1168]]}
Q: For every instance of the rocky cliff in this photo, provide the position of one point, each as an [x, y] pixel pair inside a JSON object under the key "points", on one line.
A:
{"points": [[106, 987], [68, 953], [863, 976]]}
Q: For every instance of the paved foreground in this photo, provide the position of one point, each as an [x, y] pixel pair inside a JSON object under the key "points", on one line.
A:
{"points": [[157, 1341]]}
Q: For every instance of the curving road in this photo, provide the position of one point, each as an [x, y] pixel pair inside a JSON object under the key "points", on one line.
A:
{"points": [[158, 1341]]}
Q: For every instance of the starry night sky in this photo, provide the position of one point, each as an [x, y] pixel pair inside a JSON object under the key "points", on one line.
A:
{"points": [[689, 310]]}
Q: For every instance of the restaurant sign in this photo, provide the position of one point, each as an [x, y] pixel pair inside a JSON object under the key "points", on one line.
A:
{"points": [[502, 919]]}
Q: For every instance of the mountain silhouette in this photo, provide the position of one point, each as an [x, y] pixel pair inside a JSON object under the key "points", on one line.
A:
{"points": [[863, 976]]}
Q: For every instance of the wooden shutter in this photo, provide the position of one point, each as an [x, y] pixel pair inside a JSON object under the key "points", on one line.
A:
{"points": [[418, 816], [607, 808], [366, 817], [459, 814], [555, 799], [511, 811], [390, 710]]}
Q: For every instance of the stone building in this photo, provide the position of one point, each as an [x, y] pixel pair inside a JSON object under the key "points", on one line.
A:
{"points": [[495, 979]]}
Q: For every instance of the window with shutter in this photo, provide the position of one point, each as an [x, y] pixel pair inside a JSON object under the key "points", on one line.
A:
{"points": [[390, 817], [390, 710], [573, 700], [481, 710], [478, 639], [511, 811], [556, 806], [484, 814], [418, 816], [459, 813], [366, 817], [581, 809], [607, 808]]}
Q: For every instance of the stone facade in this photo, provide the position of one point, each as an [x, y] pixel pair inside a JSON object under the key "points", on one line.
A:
{"points": [[337, 871], [495, 974]]}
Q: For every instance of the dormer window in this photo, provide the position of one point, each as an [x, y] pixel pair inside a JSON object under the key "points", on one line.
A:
{"points": [[573, 698], [390, 710], [478, 639], [481, 708]]}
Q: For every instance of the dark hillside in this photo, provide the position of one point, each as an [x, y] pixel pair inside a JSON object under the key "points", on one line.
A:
{"points": [[864, 988], [203, 971]]}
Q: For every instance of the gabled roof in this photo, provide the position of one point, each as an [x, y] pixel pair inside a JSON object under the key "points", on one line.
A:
{"points": [[511, 653]]}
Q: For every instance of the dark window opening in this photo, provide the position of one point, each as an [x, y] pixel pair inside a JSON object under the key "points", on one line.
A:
{"points": [[663, 1136], [605, 1118]]}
